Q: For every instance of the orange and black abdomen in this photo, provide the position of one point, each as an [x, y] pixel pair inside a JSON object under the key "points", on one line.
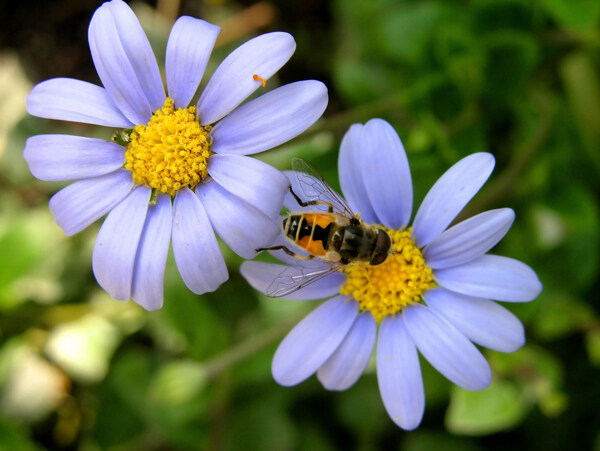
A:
{"points": [[310, 231]]}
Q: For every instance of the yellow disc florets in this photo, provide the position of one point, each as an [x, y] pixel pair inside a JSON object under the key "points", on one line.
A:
{"points": [[399, 281], [171, 151]]}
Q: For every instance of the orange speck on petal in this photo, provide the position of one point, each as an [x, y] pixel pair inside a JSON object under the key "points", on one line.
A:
{"points": [[257, 78]]}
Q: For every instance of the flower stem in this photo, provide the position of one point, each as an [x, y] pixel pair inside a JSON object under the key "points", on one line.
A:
{"points": [[247, 348]]}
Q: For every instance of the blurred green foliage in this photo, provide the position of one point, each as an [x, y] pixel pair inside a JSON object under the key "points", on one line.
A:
{"points": [[520, 79]]}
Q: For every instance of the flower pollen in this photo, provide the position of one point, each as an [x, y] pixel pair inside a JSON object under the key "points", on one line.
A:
{"points": [[171, 151], [399, 281]]}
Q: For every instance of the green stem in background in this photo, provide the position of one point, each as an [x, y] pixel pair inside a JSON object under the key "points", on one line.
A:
{"points": [[503, 186], [247, 348], [395, 103]]}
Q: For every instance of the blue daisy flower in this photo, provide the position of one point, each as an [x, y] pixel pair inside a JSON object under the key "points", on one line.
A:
{"points": [[434, 295], [170, 175]]}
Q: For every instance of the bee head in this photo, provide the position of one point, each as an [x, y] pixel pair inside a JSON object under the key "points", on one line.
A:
{"points": [[381, 250]]}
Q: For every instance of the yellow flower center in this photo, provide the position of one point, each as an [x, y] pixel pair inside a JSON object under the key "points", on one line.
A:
{"points": [[399, 281], [171, 151]]}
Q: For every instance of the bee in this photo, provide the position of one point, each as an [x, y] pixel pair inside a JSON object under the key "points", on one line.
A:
{"points": [[326, 231]]}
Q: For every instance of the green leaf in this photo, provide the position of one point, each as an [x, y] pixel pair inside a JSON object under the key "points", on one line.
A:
{"points": [[404, 32], [579, 209], [187, 321], [131, 405], [260, 424], [360, 408], [561, 315], [581, 80], [14, 437], [32, 249], [315, 439], [497, 408], [576, 14], [592, 343], [362, 80], [539, 374], [434, 440], [462, 55], [511, 56], [178, 382]]}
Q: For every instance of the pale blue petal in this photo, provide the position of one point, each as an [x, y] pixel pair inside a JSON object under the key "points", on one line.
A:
{"points": [[270, 120], [66, 99], [233, 80], [386, 174], [350, 173], [195, 246], [116, 71], [313, 341], [66, 157], [138, 52], [189, 47], [81, 203], [243, 227], [149, 269], [117, 243], [348, 362], [399, 374], [261, 275], [480, 320], [448, 350], [449, 196], [258, 183], [492, 277], [469, 239]]}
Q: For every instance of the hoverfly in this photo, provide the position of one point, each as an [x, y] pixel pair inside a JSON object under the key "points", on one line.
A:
{"points": [[331, 235]]}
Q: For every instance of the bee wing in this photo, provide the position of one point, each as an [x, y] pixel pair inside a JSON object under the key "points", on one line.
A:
{"points": [[314, 187], [293, 278]]}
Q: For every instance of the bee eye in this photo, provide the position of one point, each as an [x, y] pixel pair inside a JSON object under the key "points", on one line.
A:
{"points": [[378, 259], [382, 247]]}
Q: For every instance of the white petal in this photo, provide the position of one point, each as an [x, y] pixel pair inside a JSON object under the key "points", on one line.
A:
{"points": [[81, 203], [117, 242], [195, 246], [271, 119], [149, 269], [258, 183], [66, 157], [67, 99], [470, 239], [261, 275], [386, 174], [480, 320], [449, 196], [233, 80], [243, 227], [189, 47], [313, 341], [448, 351], [348, 362], [492, 277], [399, 374]]}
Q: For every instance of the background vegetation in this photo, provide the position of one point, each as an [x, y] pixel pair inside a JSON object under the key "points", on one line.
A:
{"points": [[520, 79]]}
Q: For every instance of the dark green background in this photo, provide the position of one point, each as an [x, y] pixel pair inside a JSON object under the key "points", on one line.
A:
{"points": [[520, 79]]}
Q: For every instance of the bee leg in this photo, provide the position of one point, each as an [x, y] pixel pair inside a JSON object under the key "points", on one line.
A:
{"points": [[310, 202], [286, 250]]}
